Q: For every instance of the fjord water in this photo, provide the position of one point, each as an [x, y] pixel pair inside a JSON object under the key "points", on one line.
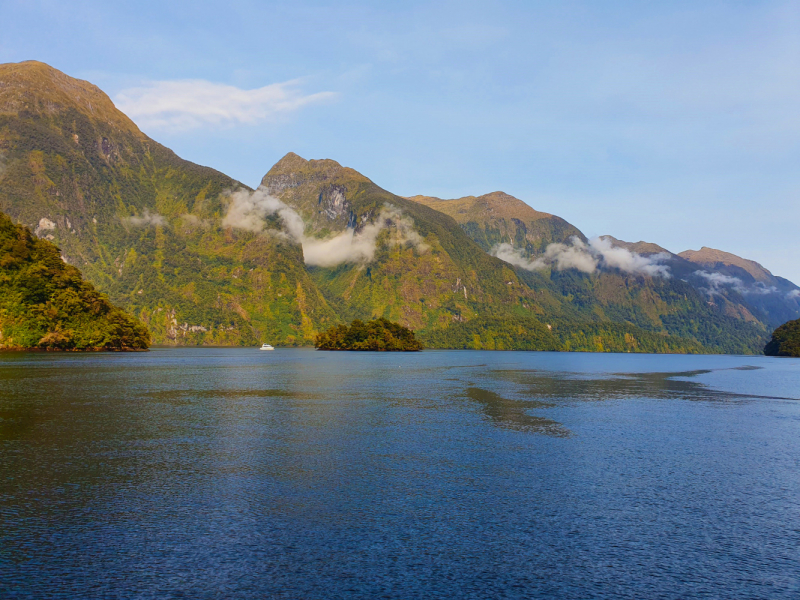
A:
{"points": [[234, 473]]}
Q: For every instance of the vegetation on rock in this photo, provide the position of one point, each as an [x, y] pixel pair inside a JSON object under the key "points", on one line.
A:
{"points": [[376, 335], [45, 303], [785, 340]]}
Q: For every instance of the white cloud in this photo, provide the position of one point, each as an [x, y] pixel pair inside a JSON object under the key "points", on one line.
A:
{"points": [[192, 103], [586, 258], [147, 219], [720, 280], [793, 294], [248, 210], [630, 262]]}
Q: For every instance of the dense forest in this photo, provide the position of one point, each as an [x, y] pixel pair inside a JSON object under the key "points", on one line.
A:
{"points": [[376, 335], [45, 303], [519, 333], [785, 340]]}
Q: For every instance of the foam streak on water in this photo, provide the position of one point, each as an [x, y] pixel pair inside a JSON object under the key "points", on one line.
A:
{"points": [[233, 473]]}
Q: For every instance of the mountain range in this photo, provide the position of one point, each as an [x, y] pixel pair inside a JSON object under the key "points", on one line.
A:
{"points": [[203, 259]]}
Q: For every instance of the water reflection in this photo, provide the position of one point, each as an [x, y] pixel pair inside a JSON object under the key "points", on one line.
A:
{"points": [[227, 473], [514, 413], [657, 385]]}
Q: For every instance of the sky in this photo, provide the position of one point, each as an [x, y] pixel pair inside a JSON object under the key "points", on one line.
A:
{"points": [[671, 122]]}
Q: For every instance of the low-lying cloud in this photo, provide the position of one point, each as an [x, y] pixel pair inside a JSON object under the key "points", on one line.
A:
{"points": [[249, 211], [189, 104], [794, 294], [719, 281], [147, 219], [587, 258]]}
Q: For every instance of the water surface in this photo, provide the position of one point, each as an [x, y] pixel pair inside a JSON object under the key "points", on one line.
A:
{"points": [[234, 473]]}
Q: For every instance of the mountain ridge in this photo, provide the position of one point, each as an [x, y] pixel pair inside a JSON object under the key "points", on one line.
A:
{"points": [[203, 259]]}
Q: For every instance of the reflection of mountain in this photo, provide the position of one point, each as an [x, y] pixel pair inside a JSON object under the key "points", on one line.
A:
{"points": [[526, 391], [148, 229], [514, 414], [552, 386]]}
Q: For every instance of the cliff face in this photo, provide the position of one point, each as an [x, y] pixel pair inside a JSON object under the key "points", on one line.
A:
{"points": [[45, 303]]}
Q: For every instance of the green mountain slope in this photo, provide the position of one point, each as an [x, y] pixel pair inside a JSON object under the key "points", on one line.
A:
{"points": [[201, 259], [141, 223], [45, 303], [443, 279]]}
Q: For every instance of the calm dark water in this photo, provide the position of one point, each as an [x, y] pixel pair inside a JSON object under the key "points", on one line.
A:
{"points": [[221, 473]]}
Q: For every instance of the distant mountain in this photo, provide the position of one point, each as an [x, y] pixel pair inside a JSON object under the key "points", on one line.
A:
{"points": [[45, 304], [738, 287], [717, 260], [643, 248], [497, 218]]}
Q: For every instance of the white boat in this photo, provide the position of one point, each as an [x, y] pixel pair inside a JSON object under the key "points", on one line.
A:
{"points": [[266, 347]]}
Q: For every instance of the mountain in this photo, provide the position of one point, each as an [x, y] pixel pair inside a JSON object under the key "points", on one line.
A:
{"points": [[498, 218], [434, 277], [640, 247], [45, 303], [773, 300], [202, 259], [717, 260], [141, 223]]}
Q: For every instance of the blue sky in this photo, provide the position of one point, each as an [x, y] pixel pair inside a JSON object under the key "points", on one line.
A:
{"points": [[673, 122]]}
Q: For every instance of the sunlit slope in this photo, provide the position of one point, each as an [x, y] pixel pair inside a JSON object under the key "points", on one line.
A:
{"points": [[500, 218], [449, 279], [661, 305], [141, 223]]}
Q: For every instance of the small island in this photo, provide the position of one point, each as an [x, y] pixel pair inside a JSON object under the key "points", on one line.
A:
{"points": [[377, 335], [785, 340]]}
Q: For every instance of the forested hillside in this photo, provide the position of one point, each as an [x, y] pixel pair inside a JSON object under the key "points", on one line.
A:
{"points": [[45, 303]]}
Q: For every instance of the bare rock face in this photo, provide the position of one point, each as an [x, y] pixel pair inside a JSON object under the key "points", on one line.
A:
{"points": [[333, 202]]}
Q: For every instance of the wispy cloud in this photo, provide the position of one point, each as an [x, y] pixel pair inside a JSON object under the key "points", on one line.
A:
{"points": [[147, 219], [248, 210], [192, 103], [718, 281], [598, 253]]}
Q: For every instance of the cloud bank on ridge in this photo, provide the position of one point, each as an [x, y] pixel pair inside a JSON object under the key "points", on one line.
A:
{"points": [[588, 258], [249, 210]]}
